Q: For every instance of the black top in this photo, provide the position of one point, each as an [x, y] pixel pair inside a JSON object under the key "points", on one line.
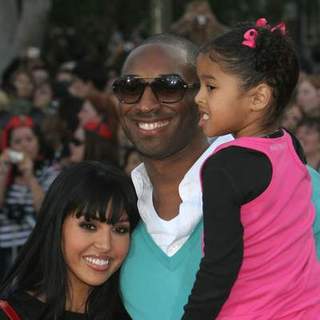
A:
{"points": [[30, 308], [230, 178]]}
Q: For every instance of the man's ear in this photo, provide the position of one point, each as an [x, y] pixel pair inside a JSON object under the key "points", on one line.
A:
{"points": [[260, 97]]}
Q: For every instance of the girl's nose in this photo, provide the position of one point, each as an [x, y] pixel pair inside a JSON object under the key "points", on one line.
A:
{"points": [[198, 98]]}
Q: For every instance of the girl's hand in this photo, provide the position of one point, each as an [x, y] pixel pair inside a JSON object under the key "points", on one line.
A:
{"points": [[5, 163], [26, 168]]}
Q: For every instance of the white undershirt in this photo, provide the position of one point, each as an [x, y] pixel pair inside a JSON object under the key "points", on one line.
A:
{"points": [[170, 235]]}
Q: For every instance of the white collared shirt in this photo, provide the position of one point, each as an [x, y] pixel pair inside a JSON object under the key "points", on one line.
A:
{"points": [[170, 235]]}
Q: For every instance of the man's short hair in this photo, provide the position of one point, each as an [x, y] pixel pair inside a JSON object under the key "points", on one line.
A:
{"points": [[178, 43]]}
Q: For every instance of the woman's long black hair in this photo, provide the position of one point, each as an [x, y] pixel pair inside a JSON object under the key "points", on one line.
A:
{"points": [[85, 189]]}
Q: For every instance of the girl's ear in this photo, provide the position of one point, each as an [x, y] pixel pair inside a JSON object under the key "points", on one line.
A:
{"points": [[261, 97]]}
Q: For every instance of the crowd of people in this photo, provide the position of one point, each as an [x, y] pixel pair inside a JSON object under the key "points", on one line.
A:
{"points": [[70, 140]]}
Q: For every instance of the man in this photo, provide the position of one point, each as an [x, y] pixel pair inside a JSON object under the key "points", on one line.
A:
{"points": [[157, 111]]}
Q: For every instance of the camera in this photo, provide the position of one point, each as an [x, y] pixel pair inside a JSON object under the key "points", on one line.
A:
{"points": [[201, 19], [15, 156]]}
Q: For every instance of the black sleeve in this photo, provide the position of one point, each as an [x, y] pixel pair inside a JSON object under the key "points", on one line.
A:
{"points": [[230, 178], [3, 316]]}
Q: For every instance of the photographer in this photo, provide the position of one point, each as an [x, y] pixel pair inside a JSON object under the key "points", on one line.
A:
{"points": [[25, 175], [198, 23]]}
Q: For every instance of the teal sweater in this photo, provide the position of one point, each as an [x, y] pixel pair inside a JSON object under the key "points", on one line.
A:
{"points": [[167, 280], [315, 177]]}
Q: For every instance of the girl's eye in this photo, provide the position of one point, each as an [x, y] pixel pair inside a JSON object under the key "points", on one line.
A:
{"points": [[87, 226], [210, 87], [121, 229]]}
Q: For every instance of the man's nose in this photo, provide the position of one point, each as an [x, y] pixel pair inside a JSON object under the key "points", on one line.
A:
{"points": [[148, 101]]}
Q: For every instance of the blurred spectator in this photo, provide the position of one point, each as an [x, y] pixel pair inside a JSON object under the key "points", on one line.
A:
{"points": [[42, 102], [40, 74], [89, 79], [292, 117], [43, 95], [124, 145], [21, 93], [25, 175], [308, 133], [93, 141], [198, 23], [100, 107], [308, 95], [131, 160], [68, 109], [56, 137], [4, 106]]}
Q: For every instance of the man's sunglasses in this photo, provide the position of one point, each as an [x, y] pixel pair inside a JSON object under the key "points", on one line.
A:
{"points": [[169, 88], [76, 142]]}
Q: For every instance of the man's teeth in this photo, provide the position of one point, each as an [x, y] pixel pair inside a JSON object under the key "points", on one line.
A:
{"points": [[152, 125], [97, 261], [205, 116]]}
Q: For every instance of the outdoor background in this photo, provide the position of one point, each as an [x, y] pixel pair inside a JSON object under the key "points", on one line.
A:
{"points": [[69, 30]]}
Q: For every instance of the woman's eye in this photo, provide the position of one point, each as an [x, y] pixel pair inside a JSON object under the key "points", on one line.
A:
{"points": [[121, 229], [87, 226]]}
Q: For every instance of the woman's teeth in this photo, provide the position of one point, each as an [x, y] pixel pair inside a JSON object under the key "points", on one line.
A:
{"points": [[97, 261]]}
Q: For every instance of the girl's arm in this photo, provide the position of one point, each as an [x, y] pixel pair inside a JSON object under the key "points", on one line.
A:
{"points": [[230, 178], [26, 169], [4, 171]]}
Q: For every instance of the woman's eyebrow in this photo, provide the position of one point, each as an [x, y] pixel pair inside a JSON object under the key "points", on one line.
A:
{"points": [[124, 218]]}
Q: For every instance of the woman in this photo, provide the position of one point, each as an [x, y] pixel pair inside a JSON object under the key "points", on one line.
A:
{"points": [[68, 267], [93, 141], [308, 95], [23, 182], [308, 132], [21, 91], [99, 108]]}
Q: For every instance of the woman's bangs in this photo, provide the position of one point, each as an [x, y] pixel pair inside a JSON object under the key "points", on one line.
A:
{"points": [[105, 207]]}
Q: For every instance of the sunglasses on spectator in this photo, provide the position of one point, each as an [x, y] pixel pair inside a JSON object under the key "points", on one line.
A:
{"points": [[168, 88], [76, 142]]}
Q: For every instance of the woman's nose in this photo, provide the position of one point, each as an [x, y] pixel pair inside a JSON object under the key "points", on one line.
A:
{"points": [[103, 240]]}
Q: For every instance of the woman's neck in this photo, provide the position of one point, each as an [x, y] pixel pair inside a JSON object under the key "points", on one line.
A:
{"points": [[76, 301]]}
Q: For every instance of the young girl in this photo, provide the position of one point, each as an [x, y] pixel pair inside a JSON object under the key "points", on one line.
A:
{"points": [[68, 267], [259, 252], [23, 183]]}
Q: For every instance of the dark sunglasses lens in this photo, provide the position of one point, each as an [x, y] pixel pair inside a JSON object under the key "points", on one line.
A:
{"points": [[169, 89], [128, 90], [76, 142]]}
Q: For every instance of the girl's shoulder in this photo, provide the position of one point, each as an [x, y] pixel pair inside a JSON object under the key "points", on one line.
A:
{"points": [[3, 315], [25, 305]]}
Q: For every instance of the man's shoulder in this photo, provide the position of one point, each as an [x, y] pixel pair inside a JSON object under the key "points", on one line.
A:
{"points": [[214, 143]]}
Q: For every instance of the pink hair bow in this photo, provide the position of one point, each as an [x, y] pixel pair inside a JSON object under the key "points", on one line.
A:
{"points": [[250, 37], [263, 23], [281, 27]]}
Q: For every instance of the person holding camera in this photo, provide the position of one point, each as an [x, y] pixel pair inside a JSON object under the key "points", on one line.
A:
{"points": [[25, 175]]}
